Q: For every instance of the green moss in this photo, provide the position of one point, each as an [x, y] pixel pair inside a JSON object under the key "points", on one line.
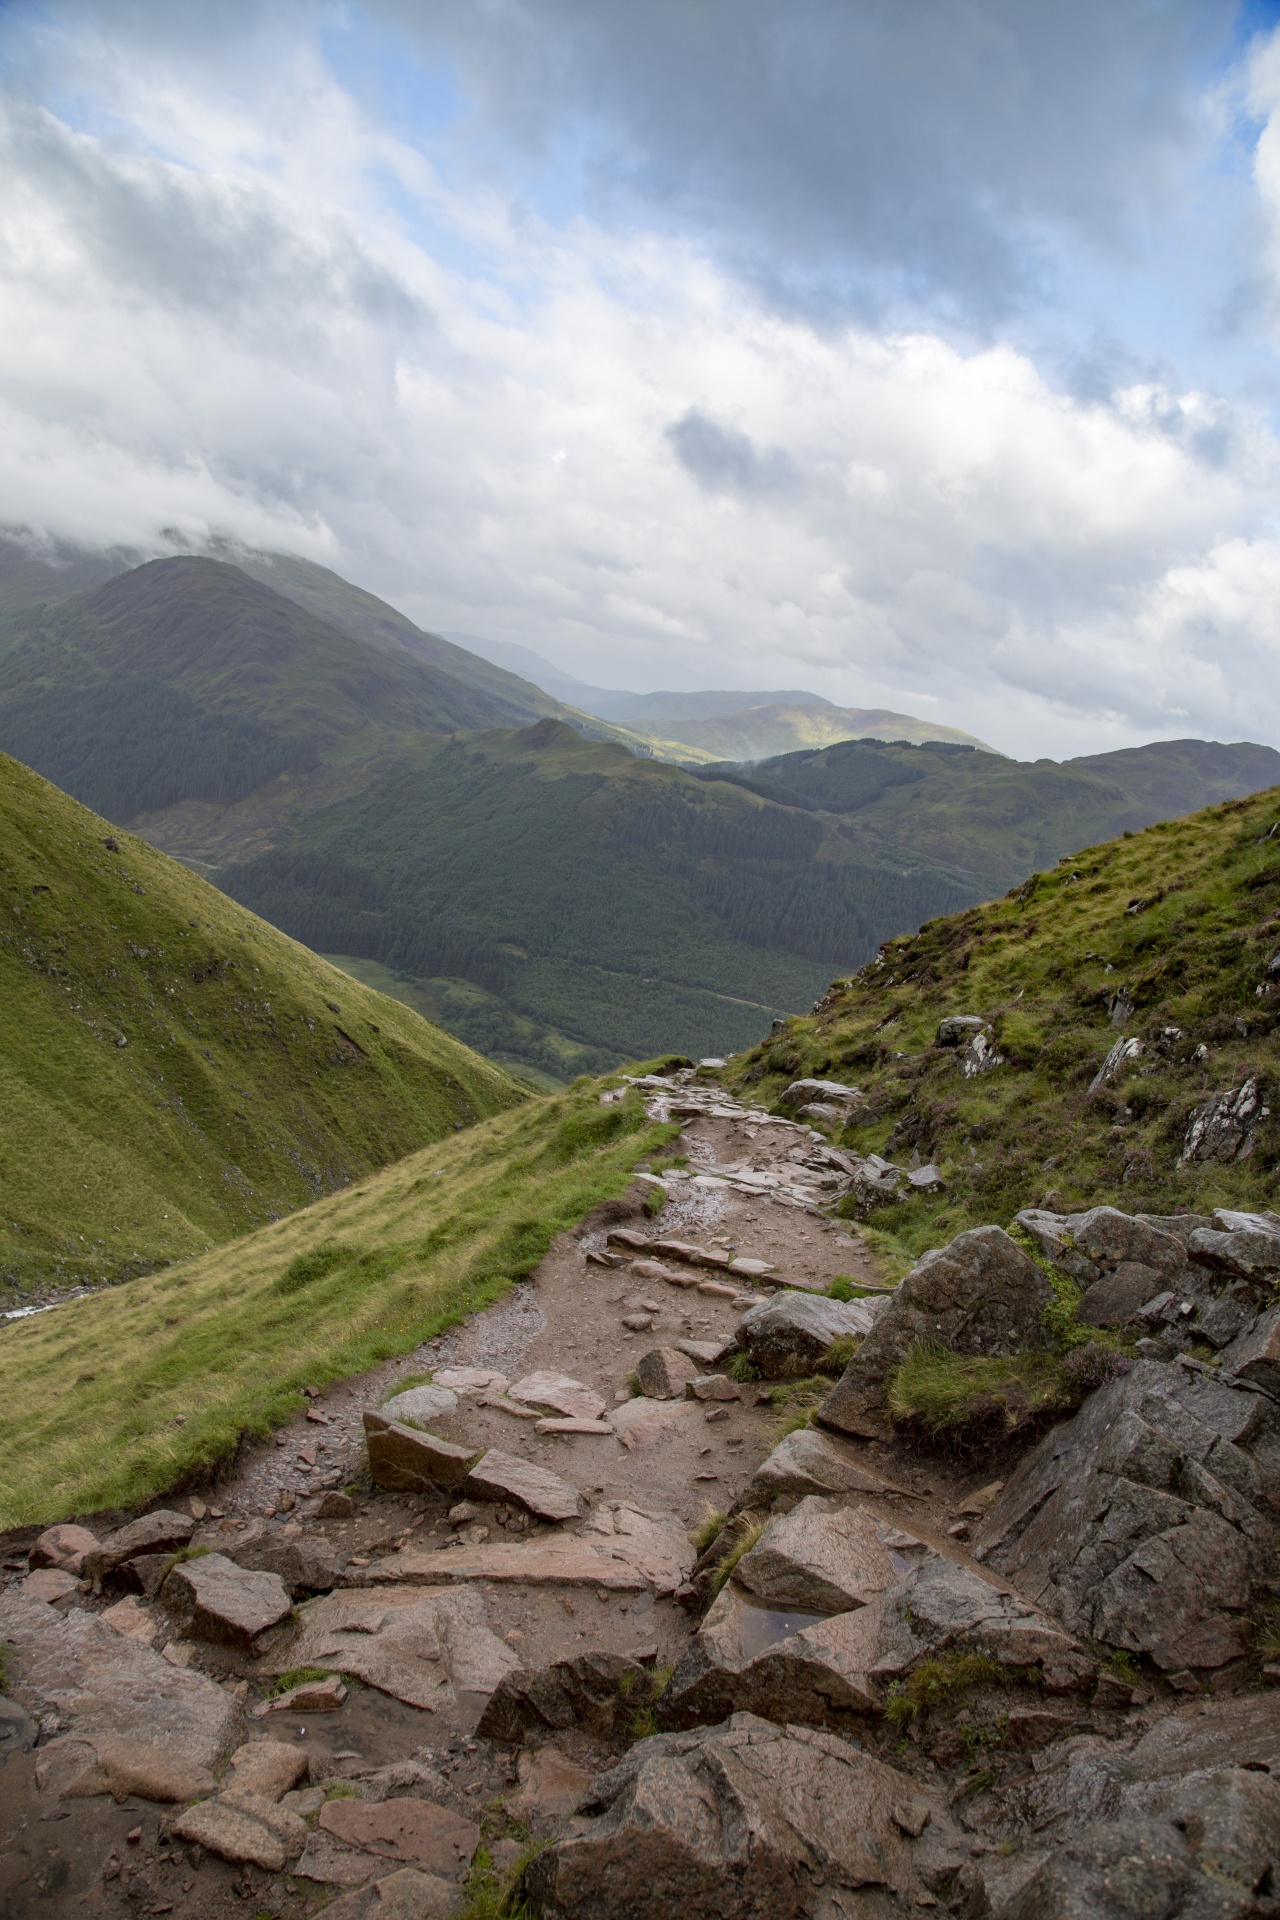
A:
{"points": [[296, 1677], [941, 1681], [742, 1369]]}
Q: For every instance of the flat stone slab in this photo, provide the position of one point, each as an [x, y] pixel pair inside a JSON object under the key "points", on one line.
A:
{"points": [[706, 1354], [50, 1584], [555, 1424], [132, 1621], [559, 1392], [536, 1488], [69, 1664], [419, 1406], [809, 1461], [620, 1548], [234, 1834], [270, 1768], [425, 1648], [414, 1831], [79, 1767], [409, 1894], [159, 1532], [402, 1459], [211, 1598], [470, 1379]]}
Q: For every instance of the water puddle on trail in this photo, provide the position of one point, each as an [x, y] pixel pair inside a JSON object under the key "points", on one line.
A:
{"points": [[760, 1625]]}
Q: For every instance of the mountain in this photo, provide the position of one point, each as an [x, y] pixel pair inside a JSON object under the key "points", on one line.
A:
{"points": [[32, 572], [622, 903], [779, 724], [174, 1071], [536, 667], [992, 819], [1165, 939]]}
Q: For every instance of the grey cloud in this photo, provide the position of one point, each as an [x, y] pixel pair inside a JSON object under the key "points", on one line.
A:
{"points": [[725, 460]]}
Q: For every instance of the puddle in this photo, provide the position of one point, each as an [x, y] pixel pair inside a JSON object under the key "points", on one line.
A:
{"points": [[759, 1626]]}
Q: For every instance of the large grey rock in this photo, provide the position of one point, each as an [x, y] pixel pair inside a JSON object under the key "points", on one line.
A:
{"points": [[1254, 1354], [981, 1294], [589, 1690], [810, 1461], [1142, 1522], [831, 1092], [1223, 1128], [745, 1819], [959, 1028], [305, 1565], [211, 1598], [823, 1556], [419, 1406], [506, 1476], [792, 1333], [664, 1373], [72, 1666], [1129, 1869], [1090, 1246], [1245, 1254], [428, 1649], [162, 1532], [792, 1666], [404, 1459]]}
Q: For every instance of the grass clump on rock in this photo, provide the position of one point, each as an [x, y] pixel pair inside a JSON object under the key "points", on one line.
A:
{"points": [[939, 1681], [967, 1397], [747, 1531]]}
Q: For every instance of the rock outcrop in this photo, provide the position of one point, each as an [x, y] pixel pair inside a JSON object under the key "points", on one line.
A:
{"points": [[792, 1334], [981, 1294], [746, 1819]]}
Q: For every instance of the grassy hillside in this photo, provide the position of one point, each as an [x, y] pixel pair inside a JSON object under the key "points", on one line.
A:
{"points": [[618, 902], [998, 819], [1164, 936], [758, 731], [173, 1071], [114, 1398]]}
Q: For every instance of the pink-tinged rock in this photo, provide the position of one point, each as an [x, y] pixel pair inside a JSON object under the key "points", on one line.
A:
{"points": [[718, 1289], [312, 1696], [415, 1831], [79, 1769], [409, 1894], [470, 1379], [50, 1584], [162, 1532], [270, 1768], [559, 1392], [403, 1459], [651, 1270], [677, 1250], [572, 1426], [543, 1493], [132, 1622], [664, 1373], [212, 1598], [551, 1785], [555, 1562], [63, 1547], [654, 1424], [714, 1386], [629, 1239], [233, 1834], [427, 1649]]}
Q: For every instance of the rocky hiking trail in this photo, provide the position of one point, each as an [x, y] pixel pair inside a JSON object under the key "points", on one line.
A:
{"points": [[577, 1607]]}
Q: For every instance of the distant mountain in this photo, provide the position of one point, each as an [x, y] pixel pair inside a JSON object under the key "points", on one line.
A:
{"points": [[995, 820], [536, 667], [175, 1071], [656, 710], [761, 732], [32, 572]]}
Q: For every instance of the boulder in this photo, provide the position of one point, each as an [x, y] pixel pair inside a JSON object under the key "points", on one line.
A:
{"points": [[792, 1333], [744, 1819], [589, 1690], [664, 1373], [63, 1547], [795, 1665], [809, 1461], [1090, 1246], [1254, 1354], [305, 1566], [404, 1459], [505, 1476], [1248, 1253], [1114, 1300], [823, 1557], [51, 1585], [830, 1092], [1131, 1867], [211, 1598], [269, 1768], [1142, 1522], [79, 1767], [981, 1295], [159, 1533], [419, 1406], [1223, 1128], [133, 1621], [236, 1833], [425, 1648], [959, 1028], [70, 1665], [559, 1392]]}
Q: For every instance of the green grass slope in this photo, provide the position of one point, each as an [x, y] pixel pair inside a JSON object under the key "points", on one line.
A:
{"points": [[173, 1071], [619, 902], [998, 819], [757, 732], [114, 1398], [1164, 936]]}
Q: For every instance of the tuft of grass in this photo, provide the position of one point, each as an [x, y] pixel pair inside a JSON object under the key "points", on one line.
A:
{"points": [[792, 1421], [839, 1354], [1125, 1667], [1266, 1643], [642, 1719], [317, 1263], [939, 1681], [963, 1397], [6, 1652], [494, 1895], [340, 1790], [743, 1370], [708, 1529], [295, 1677], [632, 1385], [747, 1529], [444, 1232]]}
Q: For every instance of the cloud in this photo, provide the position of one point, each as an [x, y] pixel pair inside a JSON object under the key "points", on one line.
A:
{"points": [[240, 301]]}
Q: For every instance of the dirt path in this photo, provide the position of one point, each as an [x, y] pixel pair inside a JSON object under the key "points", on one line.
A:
{"points": [[750, 1190]]}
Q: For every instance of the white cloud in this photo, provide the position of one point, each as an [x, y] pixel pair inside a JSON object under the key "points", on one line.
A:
{"points": [[262, 315]]}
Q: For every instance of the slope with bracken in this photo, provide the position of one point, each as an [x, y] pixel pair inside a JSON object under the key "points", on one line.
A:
{"points": [[174, 1070], [1125, 1008]]}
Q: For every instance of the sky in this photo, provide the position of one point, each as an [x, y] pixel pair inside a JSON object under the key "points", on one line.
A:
{"points": [[924, 355]]}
